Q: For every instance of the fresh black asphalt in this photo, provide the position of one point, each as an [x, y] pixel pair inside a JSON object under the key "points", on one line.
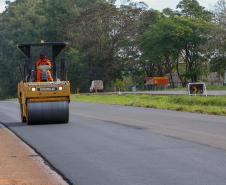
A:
{"points": [[102, 150]]}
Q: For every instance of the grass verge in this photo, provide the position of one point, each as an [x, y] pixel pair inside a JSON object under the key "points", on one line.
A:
{"points": [[206, 105]]}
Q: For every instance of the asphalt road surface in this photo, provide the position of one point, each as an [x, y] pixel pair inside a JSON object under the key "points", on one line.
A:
{"points": [[114, 145]]}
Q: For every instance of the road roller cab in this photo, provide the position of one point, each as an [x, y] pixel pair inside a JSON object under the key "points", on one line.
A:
{"points": [[44, 101]]}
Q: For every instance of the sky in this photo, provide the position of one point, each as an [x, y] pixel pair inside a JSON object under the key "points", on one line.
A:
{"points": [[1, 5], [161, 4], [155, 4]]}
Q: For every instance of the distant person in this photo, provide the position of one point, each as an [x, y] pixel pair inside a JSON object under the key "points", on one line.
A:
{"points": [[43, 61]]}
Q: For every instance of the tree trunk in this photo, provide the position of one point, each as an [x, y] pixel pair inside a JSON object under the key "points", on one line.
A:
{"points": [[171, 79], [183, 81]]}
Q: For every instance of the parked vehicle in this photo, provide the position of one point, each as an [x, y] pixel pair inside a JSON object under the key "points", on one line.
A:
{"points": [[155, 82], [97, 86]]}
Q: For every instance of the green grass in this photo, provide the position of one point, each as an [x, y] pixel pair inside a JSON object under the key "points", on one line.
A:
{"points": [[205, 105]]}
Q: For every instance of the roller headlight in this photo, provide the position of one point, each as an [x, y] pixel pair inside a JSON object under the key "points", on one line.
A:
{"points": [[60, 88], [33, 89]]}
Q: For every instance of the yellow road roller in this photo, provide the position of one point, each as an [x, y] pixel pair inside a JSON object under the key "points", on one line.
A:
{"points": [[43, 101]]}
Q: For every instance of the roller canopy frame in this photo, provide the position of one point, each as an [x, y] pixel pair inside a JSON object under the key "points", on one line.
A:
{"points": [[57, 47]]}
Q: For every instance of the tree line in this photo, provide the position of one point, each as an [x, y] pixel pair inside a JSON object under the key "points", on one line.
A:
{"points": [[117, 44]]}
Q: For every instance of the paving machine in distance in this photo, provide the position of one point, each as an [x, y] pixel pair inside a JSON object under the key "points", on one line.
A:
{"points": [[43, 102]]}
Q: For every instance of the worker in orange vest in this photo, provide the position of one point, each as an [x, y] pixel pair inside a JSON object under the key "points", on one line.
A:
{"points": [[43, 61]]}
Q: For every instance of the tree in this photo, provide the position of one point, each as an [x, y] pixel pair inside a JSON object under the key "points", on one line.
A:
{"points": [[178, 37], [218, 41], [28, 21], [160, 46], [175, 40], [107, 40], [58, 13], [192, 9]]}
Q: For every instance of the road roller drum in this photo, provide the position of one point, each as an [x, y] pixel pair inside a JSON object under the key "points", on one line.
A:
{"points": [[48, 112]]}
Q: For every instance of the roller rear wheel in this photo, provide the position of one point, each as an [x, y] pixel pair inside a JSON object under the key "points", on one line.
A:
{"points": [[48, 113]]}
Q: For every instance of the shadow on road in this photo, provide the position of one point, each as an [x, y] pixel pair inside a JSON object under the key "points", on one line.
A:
{"points": [[15, 124], [20, 124]]}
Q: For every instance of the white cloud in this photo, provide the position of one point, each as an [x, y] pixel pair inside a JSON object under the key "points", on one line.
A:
{"points": [[2, 5]]}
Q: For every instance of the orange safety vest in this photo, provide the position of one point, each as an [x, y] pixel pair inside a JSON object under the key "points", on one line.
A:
{"points": [[39, 72]]}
